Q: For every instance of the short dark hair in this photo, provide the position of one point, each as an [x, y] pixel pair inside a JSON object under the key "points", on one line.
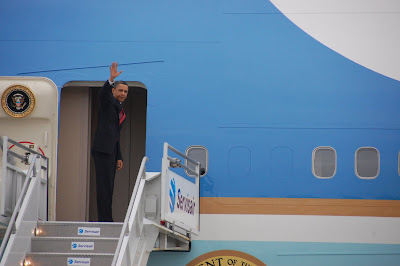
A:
{"points": [[116, 83]]}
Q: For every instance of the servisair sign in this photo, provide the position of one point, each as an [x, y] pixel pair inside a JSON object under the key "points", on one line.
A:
{"points": [[182, 198]]}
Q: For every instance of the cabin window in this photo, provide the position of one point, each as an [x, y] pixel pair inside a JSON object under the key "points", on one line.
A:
{"points": [[324, 162], [200, 154], [367, 163]]}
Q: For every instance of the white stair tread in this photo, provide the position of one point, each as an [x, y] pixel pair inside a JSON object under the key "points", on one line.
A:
{"points": [[69, 254], [79, 223], [74, 238]]}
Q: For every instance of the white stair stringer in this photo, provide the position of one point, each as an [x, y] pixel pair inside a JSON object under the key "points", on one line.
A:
{"points": [[146, 243], [142, 232]]}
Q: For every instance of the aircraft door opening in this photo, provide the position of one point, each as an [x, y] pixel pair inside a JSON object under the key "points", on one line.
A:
{"points": [[76, 184]]}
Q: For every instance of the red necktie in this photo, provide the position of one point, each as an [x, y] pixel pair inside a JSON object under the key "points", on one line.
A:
{"points": [[121, 116]]}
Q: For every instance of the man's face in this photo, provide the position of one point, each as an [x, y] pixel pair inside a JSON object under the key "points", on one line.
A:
{"points": [[120, 92]]}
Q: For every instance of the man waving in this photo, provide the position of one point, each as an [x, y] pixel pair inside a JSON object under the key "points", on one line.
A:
{"points": [[106, 149]]}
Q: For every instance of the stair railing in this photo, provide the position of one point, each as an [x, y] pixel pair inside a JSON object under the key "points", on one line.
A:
{"points": [[34, 171], [125, 227]]}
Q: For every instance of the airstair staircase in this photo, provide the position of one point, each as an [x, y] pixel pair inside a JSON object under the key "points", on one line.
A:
{"points": [[152, 223], [66, 243]]}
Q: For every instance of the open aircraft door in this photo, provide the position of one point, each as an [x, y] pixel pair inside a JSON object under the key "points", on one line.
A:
{"points": [[29, 115]]}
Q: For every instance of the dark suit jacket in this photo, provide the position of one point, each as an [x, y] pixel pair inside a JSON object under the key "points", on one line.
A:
{"points": [[108, 128]]}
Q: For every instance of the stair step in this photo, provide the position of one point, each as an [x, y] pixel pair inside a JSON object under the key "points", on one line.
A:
{"points": [[79, 229], [74, 244], [52, 259]]}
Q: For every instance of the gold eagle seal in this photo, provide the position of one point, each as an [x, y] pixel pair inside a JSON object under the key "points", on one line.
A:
{"points": [[226, 258], [18, 101]]}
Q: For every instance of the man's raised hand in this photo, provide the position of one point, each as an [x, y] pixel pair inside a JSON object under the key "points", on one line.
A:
{"points": [[114, 71]]}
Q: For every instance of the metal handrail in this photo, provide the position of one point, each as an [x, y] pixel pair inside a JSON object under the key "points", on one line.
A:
{"points": [[183, 155], [141, 175], [17, 206], [177, 162], [17, 144]]}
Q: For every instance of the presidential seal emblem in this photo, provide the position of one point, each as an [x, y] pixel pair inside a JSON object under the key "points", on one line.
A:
{"points": [[226, 258], [18, 101]]}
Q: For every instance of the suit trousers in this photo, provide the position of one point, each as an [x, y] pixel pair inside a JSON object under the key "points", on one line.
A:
{"points": [[105, 165]]}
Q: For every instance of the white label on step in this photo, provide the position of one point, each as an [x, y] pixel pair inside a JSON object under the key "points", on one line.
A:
{"points": [[88, 231], [78, 261], [82, 246]]}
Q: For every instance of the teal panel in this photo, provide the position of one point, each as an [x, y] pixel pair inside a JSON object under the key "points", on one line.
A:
{"points": [[290, 253]]}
